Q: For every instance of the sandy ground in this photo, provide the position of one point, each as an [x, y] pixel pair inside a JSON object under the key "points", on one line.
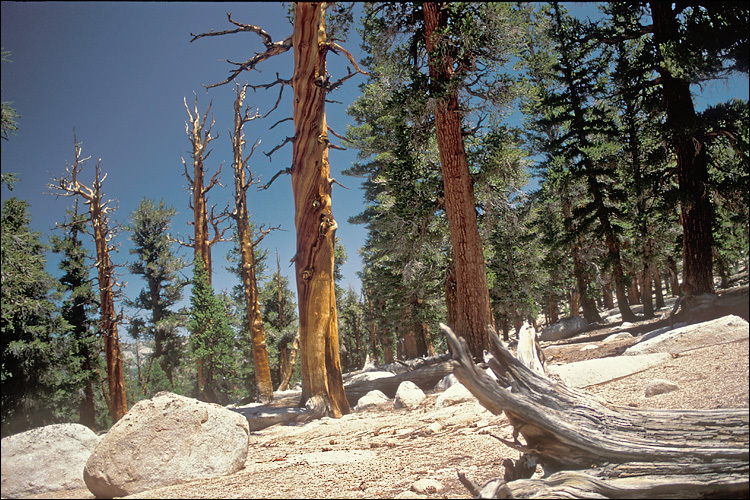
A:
{"points": [[382, 452]]}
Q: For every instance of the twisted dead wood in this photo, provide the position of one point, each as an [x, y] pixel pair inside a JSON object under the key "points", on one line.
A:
{"points": [[603, 449]]}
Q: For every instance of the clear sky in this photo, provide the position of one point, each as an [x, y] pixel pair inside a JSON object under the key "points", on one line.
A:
{"points": [[117, 72]]}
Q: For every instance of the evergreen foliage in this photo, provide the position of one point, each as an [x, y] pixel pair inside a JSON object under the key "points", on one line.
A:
{"points": [[211, 336]]}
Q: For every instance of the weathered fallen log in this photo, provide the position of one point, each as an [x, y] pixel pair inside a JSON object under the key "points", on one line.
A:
{"points": [[590, 448], [425, 377]]}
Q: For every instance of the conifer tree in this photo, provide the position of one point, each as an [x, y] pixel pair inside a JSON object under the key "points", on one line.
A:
{"points": [[159, 267], [211, 336]]}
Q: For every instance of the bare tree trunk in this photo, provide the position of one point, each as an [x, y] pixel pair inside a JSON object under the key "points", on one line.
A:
{"points": [[316, 227], [242, 181], [658, 288], [473, 312], [290, 364]]}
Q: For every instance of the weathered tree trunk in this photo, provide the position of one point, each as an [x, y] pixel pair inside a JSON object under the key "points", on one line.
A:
{"points": [[473, 312], [316, 227], [663, 453], [242, 182], [696, 211], [673, 276], [287, 373]]}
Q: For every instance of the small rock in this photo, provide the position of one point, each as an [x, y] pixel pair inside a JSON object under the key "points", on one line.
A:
{"points": [[446, 382], [589, 347], [454, 395], [370, 400], [407, 494], [408, 395], [618, 336], [427, 486], [660, 386]]}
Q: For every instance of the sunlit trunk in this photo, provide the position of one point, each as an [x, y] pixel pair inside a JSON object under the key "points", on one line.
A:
{"points": [[314, 222]]}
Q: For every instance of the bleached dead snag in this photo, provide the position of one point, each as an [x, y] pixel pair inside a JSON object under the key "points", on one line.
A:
{"points": [[596, 448]]}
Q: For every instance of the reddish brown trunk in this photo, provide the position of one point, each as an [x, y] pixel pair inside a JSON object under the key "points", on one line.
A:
{"points": [[316, 227], [118, 405], [473, 312], [696, 211]]}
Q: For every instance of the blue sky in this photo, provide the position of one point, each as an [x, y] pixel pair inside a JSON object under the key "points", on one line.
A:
{"points": [[117, 72]]}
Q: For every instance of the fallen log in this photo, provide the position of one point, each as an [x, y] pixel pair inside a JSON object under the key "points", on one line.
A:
{"points": [[424, 377], [591, 448]]}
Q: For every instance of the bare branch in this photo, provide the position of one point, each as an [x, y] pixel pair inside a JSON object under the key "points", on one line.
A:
{"points": [[288, 139], [267, 41], [280, 121], [284, 171], [335, 48]]}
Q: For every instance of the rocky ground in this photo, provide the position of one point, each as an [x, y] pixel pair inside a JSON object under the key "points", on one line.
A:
{"points": [[410, 453]]}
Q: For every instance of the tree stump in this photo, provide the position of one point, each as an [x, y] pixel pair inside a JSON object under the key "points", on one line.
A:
{"points": [[590, 448]]}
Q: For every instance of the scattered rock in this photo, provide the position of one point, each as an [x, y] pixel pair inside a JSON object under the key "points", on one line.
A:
{"points": [[408, 494], [45, 459], [455, 394], [618, 336], [408, 395], [371, 399], [427, 486], [446, 382], [166, 440], [660, 386], [589, 347], [564, 329]]}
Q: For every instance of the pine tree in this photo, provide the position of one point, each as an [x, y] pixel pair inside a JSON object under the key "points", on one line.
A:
{"points": [[211, 337], [81, 347], [159, 267], [28, 322]]}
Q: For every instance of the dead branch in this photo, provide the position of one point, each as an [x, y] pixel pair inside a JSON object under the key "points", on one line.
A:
{"points": [[280, 121], [268, 184], [287, 140]]}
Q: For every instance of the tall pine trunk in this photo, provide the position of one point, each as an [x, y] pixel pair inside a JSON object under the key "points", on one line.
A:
{"points": [[473, 312], [696, 212], [320, 363]]}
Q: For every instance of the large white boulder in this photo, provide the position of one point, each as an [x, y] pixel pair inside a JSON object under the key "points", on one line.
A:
{"points": [[46, 459], [408, 395], [166, 440], [454, 395]]}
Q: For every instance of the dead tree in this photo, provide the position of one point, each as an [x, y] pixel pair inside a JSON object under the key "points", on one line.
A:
{"points": [[322, 385], [99, 210], [243, 179], [593, 449], [200, 137]]}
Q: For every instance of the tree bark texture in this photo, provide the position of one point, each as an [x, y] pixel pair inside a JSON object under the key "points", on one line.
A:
{"points": [[261, 365], [108, 321], [473, 311], [696, 211], [664, 453], [315, 225]]}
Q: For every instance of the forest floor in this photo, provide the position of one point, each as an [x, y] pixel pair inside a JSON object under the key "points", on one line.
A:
{"points": [[385, 452]]}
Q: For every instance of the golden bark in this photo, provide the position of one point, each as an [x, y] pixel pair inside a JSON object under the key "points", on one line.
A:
{"points": [[473, 312], [247, 252], [314, 222], [98, 211]]}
